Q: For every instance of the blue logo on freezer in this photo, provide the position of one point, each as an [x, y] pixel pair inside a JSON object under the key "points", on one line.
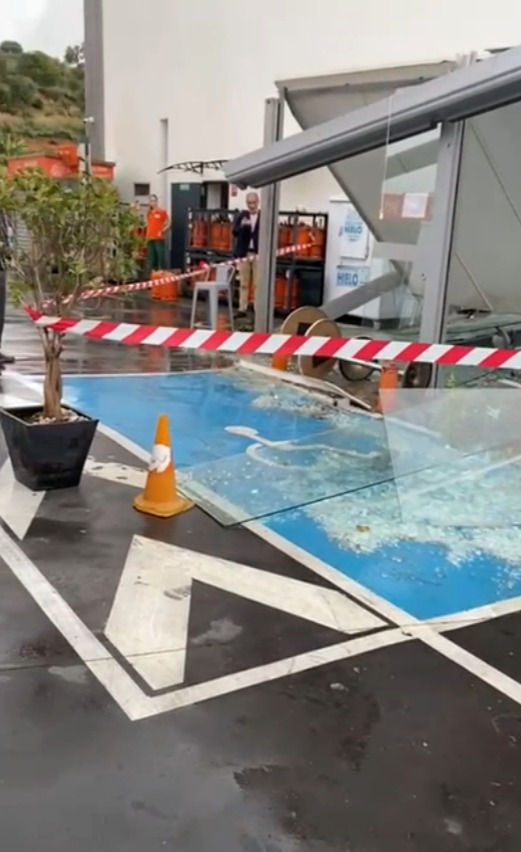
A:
{"points": [[353, 226], [351, 276]]}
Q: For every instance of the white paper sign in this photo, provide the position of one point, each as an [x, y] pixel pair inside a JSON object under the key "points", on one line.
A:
{"points": [[415, 205]]}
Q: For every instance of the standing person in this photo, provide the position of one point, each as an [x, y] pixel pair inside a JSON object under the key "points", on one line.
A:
{"points": [[158, 223], [5, 242], [246, 233]]}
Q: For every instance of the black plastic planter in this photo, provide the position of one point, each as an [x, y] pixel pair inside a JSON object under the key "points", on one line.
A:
{"points": [[46, 456]]}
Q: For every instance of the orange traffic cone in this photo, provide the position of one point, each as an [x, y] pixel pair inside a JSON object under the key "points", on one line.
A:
{"points": [[160, 497], [279, 362], [388, 385]]}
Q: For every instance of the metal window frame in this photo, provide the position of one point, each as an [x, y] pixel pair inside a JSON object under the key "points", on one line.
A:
{"points": [[435, 263], [434, 269], [474, 87]]}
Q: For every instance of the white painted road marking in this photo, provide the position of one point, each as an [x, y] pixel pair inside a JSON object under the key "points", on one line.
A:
{"points": [[8, 400], [18, 504], [95, 656], [428, 632], [125, 692], [148, 623], [411, 628]]}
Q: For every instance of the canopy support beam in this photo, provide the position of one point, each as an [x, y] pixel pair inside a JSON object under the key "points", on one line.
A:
{"points": [[433, 264], [467, 91], [268, 235]]}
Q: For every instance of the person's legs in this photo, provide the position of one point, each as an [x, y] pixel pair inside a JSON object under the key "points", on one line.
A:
{"points": [[161, 254], [156, 255], [244, 284], [255, 276], [151, 256]]}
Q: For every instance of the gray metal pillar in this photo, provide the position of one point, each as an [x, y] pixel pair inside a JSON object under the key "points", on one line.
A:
{"points": [[95, 74], [437, 256], [438, 253], [268, 236]]}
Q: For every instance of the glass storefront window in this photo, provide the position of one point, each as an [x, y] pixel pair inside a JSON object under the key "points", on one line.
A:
{"points": [[485, 262], [392, 191]]}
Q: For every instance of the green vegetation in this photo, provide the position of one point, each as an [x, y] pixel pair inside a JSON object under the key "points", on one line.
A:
{"points": [[79, 236], [40, 96], [11, 145]]}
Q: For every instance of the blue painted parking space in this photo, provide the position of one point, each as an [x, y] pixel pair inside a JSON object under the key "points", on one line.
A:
{"points": [[200, 406], [429, 572], [324, 480]]}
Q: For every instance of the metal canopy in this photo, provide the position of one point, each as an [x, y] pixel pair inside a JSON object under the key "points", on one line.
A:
{"points": [[409, 165], [360, 86], [455, 96]]}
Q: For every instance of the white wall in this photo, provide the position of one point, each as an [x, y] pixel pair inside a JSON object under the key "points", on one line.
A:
{"points": [[208, 66]]}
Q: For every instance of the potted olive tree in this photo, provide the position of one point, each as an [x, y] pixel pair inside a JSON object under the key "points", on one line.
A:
{"points": [[76, 235]]}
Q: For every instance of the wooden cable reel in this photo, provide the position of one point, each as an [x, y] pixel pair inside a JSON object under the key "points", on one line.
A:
{"points": [[312, 366], [417, 375], [300, 321], [353, 372], [311, 322]]}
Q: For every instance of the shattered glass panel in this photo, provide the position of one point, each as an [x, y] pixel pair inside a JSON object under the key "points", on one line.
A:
{"points": [[274, 476], [456, 455]]}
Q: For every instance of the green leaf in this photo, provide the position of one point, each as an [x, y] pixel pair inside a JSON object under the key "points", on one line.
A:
{"points": [[79, 234]]}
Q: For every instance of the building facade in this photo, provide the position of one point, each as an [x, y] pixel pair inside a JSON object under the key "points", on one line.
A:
{"points": [[174, 81]]}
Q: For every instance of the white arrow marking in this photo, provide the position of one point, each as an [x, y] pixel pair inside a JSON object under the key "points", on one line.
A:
{"points": [[137, 705], [18, 504], [148, 623]]}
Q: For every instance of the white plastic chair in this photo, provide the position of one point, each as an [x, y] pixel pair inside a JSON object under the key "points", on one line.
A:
{"points": [[223, 283]]}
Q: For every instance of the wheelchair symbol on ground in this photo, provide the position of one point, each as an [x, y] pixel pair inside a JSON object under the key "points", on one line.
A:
{"points": [[294, 454]]}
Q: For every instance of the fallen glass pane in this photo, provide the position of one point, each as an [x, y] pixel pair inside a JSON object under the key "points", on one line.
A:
{"points": [[456, 455], [274, 476]]}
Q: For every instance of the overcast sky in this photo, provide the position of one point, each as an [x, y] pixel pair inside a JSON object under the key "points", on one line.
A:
{"points": [[48, 25]]}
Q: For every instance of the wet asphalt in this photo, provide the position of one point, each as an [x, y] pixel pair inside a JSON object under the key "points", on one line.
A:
{"points": [[395, 750]]}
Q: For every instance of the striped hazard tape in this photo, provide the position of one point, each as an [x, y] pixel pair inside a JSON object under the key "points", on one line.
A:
{"points": [[255, 343], [169, 278]]}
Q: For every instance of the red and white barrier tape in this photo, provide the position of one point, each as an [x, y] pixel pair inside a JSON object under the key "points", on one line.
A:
{"points": [[255, 343], [113, 290]]}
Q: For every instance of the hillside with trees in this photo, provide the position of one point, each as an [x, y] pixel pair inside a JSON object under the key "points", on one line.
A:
{"points": [[41, 97]]}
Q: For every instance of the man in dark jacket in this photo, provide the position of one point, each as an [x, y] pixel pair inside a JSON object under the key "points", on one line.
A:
{"points": [[246, 233], [5, 239]]}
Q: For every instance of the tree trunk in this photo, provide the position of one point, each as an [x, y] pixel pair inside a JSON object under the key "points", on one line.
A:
{"points": [[53, 383]]}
